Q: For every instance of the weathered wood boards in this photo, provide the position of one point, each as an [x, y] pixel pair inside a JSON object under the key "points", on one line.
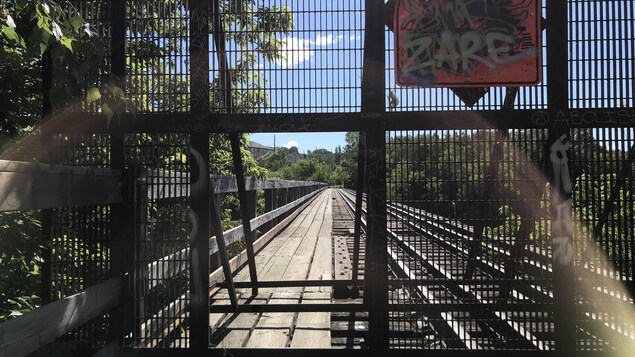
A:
{"points": [[301, 251], [27, 333], [166, 184], [155, 330], [26, 186]]}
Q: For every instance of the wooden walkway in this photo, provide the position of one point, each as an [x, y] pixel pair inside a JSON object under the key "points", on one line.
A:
{"points": [[301, 251]]}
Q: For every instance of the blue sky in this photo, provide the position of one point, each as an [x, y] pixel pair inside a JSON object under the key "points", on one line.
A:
{"points": [[321, 70], [303, 141]]}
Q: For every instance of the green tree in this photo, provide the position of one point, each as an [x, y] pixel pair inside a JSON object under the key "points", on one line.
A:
{"points": [[348, 161], [29, 29], [34, 29]]}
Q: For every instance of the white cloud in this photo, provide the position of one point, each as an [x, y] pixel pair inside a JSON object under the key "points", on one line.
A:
{"points": [[291, 144], [297, 50], [294, 51], [322, 41]]}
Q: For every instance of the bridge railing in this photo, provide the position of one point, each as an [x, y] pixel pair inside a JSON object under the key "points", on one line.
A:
{"points": [[31, 186]]}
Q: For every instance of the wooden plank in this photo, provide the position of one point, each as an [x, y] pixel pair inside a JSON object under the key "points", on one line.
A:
{"points": [[311, 338], [313, 329], [175, 263], [27, 333], [274, 329], [236, 329], [240, 259], [178, 307], [293, 263], [315, 320], [290, 257], [278, 320], [167, 184], [218, 298], [272, 253], [26, 186], [321, 266], [268, 338], [234, 338]]}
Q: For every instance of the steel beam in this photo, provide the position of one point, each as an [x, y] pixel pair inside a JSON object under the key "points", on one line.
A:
{"points": [[558, 154], [201, 198]]}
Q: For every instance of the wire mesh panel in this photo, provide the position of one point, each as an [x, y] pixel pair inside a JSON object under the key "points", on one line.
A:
{"points": [[82, 63], [469, 222], [161, 239], [80, 239], [469, 240], [80, 236], [487, 98], [601, 58], [157, 47], [290, 56], [602, 170]]}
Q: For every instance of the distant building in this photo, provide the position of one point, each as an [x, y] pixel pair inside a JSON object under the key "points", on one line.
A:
{"points": [[257, 149]]}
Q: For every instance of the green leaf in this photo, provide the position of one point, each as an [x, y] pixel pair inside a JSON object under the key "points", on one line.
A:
{"points": [[93, 94], [11, 35], [42, 47], [77, 22], [117, 92], [68, 43], [108, 111]]}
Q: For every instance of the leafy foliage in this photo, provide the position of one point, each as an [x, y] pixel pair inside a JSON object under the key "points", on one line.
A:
{"points": [[445, 173], [19, 263], [337, 168], [34, 29]]}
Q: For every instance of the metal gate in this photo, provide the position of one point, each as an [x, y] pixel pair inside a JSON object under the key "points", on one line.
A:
{"points": [[499, 218]]}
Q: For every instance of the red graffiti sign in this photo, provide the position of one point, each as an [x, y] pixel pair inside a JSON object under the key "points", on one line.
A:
{"points": [[467, 43]]}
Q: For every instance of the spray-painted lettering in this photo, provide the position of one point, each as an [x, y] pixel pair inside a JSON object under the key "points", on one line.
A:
{"points": [[467, 42], [562, 222]]}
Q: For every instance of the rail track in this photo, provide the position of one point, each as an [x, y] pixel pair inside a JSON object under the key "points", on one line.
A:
{"points": [[489, 309]]}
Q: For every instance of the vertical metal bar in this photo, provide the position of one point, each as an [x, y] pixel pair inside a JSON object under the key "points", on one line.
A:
{"points": [[214, 259], [372, 107], [222, 252], [244, 210], [201, 197], [47, 214], [122, 227], [486, 209], [361, 170], [270, 205], [282, 200], [376, 272], [122, 215], [624, 175], [234, 138], [558, 153]]}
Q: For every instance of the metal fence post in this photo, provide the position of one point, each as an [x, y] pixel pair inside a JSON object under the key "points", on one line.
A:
{"points": [[200, 193], [270, 205], [122, 215], [557, 156], [282, 200], [372, 107]]}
